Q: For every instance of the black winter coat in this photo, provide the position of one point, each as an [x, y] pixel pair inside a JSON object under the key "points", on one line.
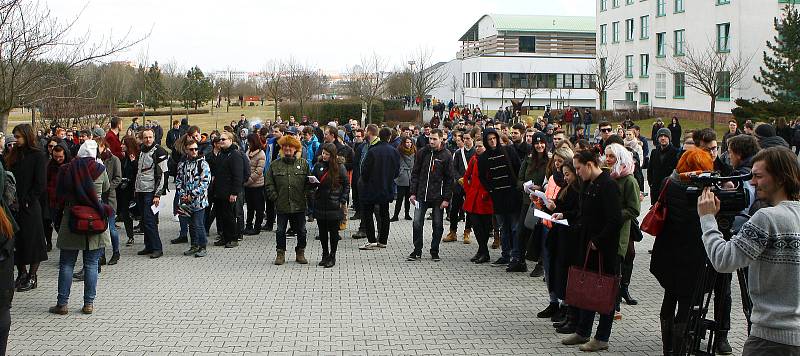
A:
{"points": [[327, 201], [498, 178], [30, 174], [229, 175], [376, 182], [432, 175], [600, 222], [662, 163], [563, 242], [678, 253]]}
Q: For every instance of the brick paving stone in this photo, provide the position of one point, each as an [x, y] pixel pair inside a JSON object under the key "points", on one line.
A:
{"points": [[372, 303]]}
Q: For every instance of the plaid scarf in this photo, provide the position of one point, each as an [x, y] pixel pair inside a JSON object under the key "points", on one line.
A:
{"points": [[76, 184]]}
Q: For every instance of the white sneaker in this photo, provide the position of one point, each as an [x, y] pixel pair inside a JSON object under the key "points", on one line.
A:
{"points": [[368, 246], [380, 245]]}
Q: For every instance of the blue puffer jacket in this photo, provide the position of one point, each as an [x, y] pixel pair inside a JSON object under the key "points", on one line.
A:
{"points": [[310, 149]]}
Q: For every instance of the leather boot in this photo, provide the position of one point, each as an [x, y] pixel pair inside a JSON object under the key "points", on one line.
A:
{"points": [[666, 336], [467, 241], [625, 294], [280, 258], [721, 344], [572, 322], [451, 236], [678, 340], [300, 256]]}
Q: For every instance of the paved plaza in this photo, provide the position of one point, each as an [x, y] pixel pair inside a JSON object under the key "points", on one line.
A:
{"points": [[235, 301]]}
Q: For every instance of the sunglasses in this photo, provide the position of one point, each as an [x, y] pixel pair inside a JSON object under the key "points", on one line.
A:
{"points": [[606, 130], [192, 149], [223, 139]]}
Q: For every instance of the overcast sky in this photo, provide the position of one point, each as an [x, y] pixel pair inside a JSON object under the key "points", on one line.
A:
{"points": [[331, 35]]}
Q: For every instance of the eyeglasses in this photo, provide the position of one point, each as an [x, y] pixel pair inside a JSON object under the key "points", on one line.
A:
{"points": [[711, 149], [223, 139], [606, 130], [192, 149]]}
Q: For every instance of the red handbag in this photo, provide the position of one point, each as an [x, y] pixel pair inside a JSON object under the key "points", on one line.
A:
{"points": [[653, 222], [590, 290], [85, 220]]}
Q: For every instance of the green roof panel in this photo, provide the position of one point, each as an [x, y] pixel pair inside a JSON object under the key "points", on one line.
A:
{"points": [[539, 23]]}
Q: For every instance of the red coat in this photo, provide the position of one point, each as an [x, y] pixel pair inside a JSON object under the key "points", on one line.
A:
{"points": [[477, 200], [114, 144]]}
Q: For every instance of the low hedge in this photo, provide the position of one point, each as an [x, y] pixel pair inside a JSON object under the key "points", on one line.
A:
{"points": [[175, 111]]}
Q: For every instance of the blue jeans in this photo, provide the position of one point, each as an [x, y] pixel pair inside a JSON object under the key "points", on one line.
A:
{"points": [[298, 223], [585, 321], [66, 266], [419, 223], [507, 224], [183, 223], [112, 229], [195, 225], [152, 240]]}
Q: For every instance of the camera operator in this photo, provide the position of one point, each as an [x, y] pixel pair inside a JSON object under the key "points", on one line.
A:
{"points": [[764, 244]]}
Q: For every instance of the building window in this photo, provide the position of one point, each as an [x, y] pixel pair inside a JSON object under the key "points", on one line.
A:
{"points": [[629, 66], [615, 32], [628, 2], [679, 6], [466, 80], [603, 100], [644, 65], [661, 8], [603, 5], [603, 33], [724, 86], [629, 30], [645, 27], [723, 37], [725, 2], [644, 98], [527, 44], [615, 3], [661, 44], [491, 80], [629, 95], [474, 80], [661, 85], [603, 66], [680, 85], [680, 42]]}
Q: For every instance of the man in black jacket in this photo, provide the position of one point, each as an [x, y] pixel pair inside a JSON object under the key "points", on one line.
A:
{"points": [[358, 152], [227, 185], [376, 186], [663, 160], [431, 180], [518, 141]]}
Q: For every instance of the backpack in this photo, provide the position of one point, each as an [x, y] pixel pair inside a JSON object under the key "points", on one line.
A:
{"points": [[10, 192]]}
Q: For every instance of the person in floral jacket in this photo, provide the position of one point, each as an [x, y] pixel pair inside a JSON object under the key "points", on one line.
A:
{"points": [[191, 182]]}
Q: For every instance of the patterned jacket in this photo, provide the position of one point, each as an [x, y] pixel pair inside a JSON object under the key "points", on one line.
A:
{"points": [[192, 180]]}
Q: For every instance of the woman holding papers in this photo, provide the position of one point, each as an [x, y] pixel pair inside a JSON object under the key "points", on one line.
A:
{"points": [[620, 161], [531, 178]]}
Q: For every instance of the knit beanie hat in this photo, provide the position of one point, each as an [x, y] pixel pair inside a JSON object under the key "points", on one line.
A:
{"points": [[664, 131], [693, 160], [765, 130]]}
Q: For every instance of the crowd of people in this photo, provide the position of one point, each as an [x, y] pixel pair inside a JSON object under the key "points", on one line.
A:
{"points": [[487, 175]]}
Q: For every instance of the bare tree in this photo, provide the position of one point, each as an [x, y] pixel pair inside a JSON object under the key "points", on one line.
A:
{"points": [[709, 72], [303, 82], [455, 86], [608, 73], [368, 81], [174, 79], [37, 48], [425, 76], [274, 83]]}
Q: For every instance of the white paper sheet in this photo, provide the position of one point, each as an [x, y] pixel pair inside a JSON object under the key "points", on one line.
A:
{"points": [[540, 194], [542, 215], [155, 209], [313, 180]]}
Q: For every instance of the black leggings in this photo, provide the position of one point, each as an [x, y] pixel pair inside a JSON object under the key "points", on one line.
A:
{"points": [[403, 194], [482, 226], [328, 236], [5, 327], [255, 205]]}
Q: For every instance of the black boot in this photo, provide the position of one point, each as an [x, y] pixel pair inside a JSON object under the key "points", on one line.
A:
{"points": [[324, 260], [666, 336], [331, 261], [678, 340], [721, 345], [571, 322], [625, 293], [549, 311]]}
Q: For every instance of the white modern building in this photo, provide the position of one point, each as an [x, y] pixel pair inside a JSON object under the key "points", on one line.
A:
{"points": [[646, 36], [545, 60]]}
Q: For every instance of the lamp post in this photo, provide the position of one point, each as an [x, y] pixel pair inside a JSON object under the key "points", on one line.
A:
{"points": [[411, 83]]}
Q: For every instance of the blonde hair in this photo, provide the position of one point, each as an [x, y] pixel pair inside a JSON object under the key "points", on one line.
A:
{"points": [[624, 157]]}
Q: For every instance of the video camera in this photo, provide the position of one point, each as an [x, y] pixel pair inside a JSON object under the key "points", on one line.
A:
{"points": [[732, 199]]}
